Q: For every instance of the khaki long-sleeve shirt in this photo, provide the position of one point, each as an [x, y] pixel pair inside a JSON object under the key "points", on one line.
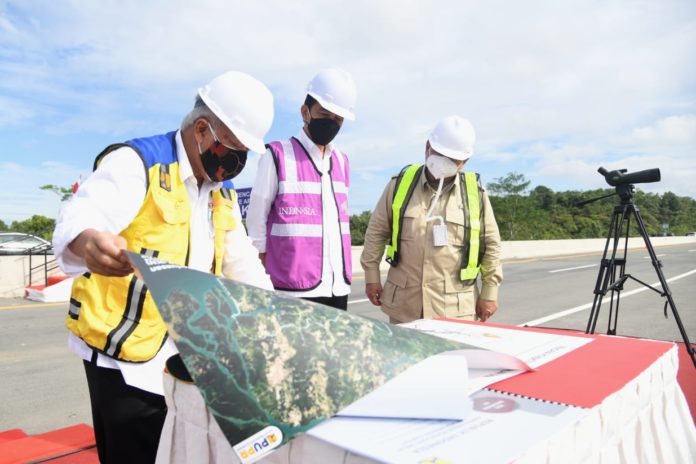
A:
{"points": [[425, 283]]}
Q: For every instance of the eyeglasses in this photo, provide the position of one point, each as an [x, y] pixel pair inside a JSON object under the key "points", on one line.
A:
{"points": [[218, 141]]}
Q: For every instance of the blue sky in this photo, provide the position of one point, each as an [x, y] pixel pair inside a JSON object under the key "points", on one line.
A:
{"points": [[554, 89]]}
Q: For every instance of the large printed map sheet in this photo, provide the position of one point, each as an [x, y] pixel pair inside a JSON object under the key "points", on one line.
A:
{"points": [[261, 359]]}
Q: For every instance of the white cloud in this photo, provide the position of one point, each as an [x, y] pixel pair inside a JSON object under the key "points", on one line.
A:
{"points": [[565, 164], [554, 89], [673, 129], [13, 111], [10, 167], [7, 26]]}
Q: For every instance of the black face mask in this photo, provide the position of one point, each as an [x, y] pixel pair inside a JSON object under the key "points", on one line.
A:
{"points": [[322, 131], [222, 163]]}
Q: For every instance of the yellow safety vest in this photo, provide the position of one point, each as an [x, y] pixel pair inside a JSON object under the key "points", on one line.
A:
{"points": [[117, 315], [470, 187]]}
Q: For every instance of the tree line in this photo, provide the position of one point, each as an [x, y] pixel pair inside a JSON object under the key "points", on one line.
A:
{"points": [[542, 214], [40, 226], [522, 214]]}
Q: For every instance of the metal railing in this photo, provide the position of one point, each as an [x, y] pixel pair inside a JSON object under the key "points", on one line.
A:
{"points": [[47, 264], [14, 244]]}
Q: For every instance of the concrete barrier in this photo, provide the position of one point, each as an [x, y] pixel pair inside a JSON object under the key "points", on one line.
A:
{"points": [[14, 270], [527, 249], [14, 274]]}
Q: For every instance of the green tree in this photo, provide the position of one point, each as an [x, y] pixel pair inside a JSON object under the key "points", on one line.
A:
{"points": [[511, 187], [3, 226], [514, 183], [545, 214], [63, 192], [543, 197], [41, 226], [358, 226]]}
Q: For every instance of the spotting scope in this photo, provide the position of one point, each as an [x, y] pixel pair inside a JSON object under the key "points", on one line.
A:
{"points": [[621, 177]]}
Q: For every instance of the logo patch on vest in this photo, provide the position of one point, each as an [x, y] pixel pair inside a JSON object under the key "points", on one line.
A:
{"points": [[296, 211], [343, 207]]}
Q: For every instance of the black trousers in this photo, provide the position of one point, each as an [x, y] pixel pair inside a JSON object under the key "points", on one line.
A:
{"points": [[127, 420], [338, 302]]}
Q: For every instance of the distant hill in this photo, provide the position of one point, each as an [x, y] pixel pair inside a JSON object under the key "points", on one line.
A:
{"points": [[543, 214]]}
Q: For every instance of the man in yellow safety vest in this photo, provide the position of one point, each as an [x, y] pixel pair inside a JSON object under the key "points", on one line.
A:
{"points": [[168, 196]]}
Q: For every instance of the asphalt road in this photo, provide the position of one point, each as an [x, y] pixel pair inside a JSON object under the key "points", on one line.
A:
{"points": [[42, 385]]}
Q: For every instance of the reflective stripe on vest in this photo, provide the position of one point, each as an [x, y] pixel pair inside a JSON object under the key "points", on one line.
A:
{"points": [[469, 186], [131, 313], [304, 230]]}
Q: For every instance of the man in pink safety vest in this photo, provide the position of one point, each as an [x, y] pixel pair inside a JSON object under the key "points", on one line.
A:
{"points": [[298, 213]]}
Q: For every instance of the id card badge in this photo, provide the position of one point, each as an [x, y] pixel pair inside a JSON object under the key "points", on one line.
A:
{"points": [[439, 235]]}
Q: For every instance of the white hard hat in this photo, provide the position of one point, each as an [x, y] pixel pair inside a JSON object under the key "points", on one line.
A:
{"points": [[243, 104], [334, 89], [453, 137]]}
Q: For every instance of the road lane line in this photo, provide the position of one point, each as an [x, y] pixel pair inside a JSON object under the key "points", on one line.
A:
{"points": [[572, 268], [657, 256], [36, 305], [43, 305], [576, 309]]}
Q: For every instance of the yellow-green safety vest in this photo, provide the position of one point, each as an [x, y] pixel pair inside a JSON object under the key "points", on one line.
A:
{"points": [[117, 316], [470, 187]]}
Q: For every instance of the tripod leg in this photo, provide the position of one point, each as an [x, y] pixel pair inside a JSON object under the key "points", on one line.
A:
{"points": [[617, 285], [600, 284], [606, 272], [613, 306], [596, 303], [666, 291]]}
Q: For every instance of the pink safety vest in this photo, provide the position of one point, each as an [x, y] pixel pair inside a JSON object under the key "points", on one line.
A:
{"points": [[294, 251]]}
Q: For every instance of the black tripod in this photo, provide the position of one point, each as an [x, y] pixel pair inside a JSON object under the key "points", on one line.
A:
{"points": [[607, 279]]}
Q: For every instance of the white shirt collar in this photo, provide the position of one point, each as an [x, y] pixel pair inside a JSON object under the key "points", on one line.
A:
{"points": [[445, 188], [311, 147], [185, 169]]}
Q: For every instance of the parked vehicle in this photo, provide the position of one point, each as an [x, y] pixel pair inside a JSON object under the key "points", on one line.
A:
{"points": [[18, 243], [691, 234]]}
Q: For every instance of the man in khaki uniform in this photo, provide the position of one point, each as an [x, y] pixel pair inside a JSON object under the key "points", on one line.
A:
{"points": [[434, 273]]}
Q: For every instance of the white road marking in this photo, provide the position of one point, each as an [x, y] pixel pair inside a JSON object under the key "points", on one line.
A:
{"points": [[648, 257], [359, 301], [691, 251], [576, 309], [572, 268]]}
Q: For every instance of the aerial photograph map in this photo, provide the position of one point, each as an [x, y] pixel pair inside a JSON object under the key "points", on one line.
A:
{"points": [[262, 359]]}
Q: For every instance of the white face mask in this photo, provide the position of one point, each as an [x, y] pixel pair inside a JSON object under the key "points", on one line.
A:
{"points": [[441, 167]]}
